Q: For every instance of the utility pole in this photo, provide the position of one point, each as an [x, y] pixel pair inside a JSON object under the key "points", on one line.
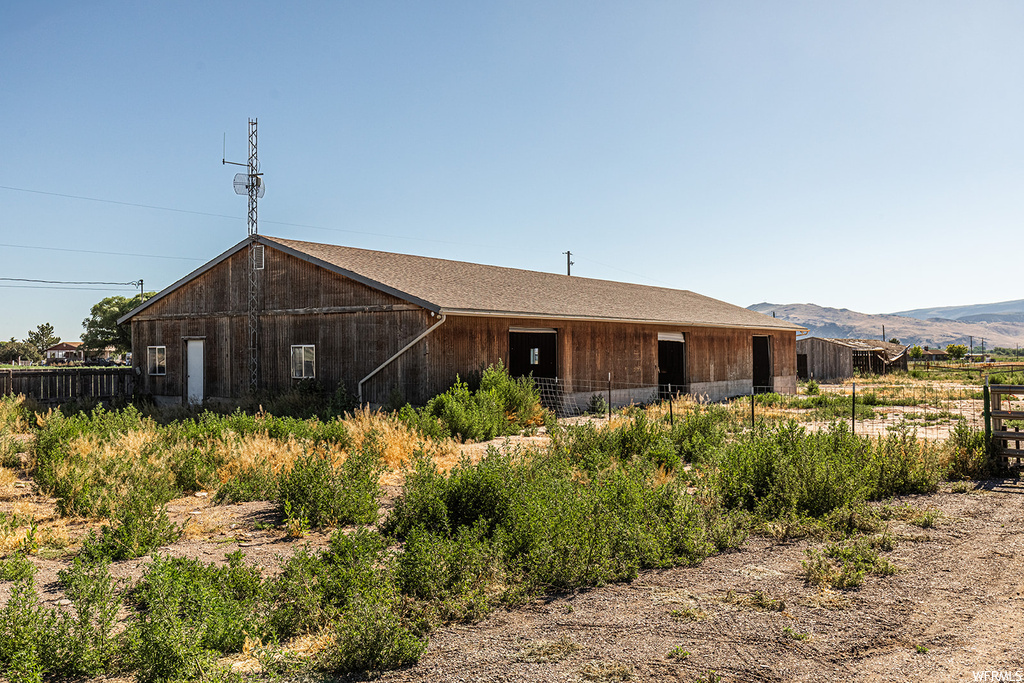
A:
{"points": [[569, 263]]}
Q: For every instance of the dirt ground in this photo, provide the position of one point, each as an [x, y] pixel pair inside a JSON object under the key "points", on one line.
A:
{"points": [[955, 609]]}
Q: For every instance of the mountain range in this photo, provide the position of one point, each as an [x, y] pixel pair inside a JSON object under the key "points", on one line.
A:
{"points": [[998, 324]]}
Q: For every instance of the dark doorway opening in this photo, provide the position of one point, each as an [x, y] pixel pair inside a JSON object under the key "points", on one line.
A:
{"points": [[532, 352], [671, 367], [801, 365], [762, 365]]}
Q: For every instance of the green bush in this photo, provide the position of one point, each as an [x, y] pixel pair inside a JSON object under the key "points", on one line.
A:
{"points": [[22, 630], [543, 525], [189, 613], [316, 491], [452, 573], [967, 456], [16, 568], [37, 641], [140, 526], [254, 482], [785, 469], [371, 635], [700, 433], [502, 405], [597, 405], [314, 590], [595, 448]]}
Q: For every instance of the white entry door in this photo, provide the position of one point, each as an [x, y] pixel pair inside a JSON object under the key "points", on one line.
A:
{"points": [[194, 363]]}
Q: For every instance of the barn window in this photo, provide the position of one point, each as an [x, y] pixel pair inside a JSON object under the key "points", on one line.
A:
{"points": [[157, 360], [303, 361]]}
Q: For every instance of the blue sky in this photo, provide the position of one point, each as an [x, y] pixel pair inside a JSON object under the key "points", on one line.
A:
{"points": [[864, 155]]}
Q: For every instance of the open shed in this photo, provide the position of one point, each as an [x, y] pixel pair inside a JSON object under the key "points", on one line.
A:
{"points": [[824, 359]]}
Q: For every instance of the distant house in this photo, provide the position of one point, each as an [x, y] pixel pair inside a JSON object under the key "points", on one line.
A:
{"points": [[825, 359], [934, 354], [378, 322], [64, 352]]}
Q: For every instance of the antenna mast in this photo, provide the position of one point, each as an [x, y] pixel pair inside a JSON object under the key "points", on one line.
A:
{"points": [[251, 183]]}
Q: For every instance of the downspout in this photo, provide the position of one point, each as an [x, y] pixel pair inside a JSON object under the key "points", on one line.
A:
{"points": [[403, 350]]}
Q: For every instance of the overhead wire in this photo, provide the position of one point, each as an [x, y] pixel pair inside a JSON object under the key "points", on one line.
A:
{"points": [[267, 222], [101, 253], [133, 283]]}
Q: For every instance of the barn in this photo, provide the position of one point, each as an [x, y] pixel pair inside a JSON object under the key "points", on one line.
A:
{"points": [[380, 322], [823, 359]]}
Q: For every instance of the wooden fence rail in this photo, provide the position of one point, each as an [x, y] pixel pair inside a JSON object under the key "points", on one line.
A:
{"points": [[999, 436], [52, 386]]}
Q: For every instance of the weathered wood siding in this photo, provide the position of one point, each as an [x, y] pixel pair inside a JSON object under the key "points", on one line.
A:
{"points": [[719, 360], [826, 361], [355, 328]]}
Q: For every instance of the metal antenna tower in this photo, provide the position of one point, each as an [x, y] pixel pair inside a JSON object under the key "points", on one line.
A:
{"points": [[251, 183]]}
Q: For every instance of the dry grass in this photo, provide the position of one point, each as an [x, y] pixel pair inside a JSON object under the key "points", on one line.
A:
{"points": [[757, 600], [549, 650], [27, 519], [7, 477], [400, 443], [12, 419], [605, 671], [259, 451]]}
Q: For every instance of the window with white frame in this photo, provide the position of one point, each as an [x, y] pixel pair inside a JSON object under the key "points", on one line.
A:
{"points": [[157, 360], [303, 361]]}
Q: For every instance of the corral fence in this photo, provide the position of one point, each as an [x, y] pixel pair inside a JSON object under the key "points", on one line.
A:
{"points": [[54, 386], [933, 411], [1004, 416], [930, 411]]}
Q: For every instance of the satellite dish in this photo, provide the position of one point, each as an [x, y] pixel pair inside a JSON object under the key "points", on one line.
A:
{"points": [[241, 184]]}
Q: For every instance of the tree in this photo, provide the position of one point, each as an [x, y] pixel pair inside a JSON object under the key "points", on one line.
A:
{"points": [[956, 351], [101, 328], [916, 352], [895, 340], [42, 338], [12, 351]]}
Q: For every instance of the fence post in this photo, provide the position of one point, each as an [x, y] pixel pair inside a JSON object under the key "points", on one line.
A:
{"points": [[987, 413], [853, 410], [752, 422], [671, 417], [609, 397]]}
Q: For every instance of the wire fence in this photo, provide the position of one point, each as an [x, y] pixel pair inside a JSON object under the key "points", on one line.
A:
{"points": [[571, 398], [931, 410]]}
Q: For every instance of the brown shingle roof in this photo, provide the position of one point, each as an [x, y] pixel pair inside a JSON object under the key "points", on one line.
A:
{"points": [[458, 287]]}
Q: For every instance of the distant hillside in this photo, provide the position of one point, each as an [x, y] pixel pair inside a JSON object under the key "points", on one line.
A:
{"points": [[1003, 311], [936, 332]]}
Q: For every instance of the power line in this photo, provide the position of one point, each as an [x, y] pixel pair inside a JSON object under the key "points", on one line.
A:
{"points": [[101, 253], [221, 215], [134, 283], [283, 223], [76, 289], [114, 201]]}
